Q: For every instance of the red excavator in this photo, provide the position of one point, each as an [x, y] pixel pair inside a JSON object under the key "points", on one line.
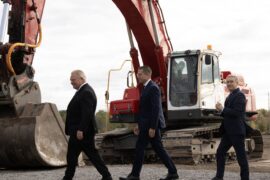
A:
{"points": [[191, 85], [31, 132]]}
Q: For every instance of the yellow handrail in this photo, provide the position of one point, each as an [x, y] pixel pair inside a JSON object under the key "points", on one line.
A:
{"points": [[108, 87]]}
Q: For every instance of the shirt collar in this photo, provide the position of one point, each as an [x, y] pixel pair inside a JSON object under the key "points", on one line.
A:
{"points": [[235, 90], [145, 84], [82, 86]]}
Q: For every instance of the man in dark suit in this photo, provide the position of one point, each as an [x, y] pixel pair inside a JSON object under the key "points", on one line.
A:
{"points": [[81, 127], [151, 120], [233, 129]]}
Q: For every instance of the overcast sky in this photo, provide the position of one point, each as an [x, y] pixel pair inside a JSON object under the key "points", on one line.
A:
{"points": [[91, 35]]}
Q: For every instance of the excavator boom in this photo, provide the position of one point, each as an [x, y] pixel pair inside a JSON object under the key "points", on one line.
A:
{"points": [[31, 132], [147, 24]]}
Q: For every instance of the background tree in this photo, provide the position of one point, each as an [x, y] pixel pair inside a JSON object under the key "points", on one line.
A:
{"points": [[63, 114], [262, 121], [103, 123]]}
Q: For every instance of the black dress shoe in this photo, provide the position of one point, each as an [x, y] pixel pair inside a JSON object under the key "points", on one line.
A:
{"points": [[65, 178], [107, 178], [216, 178], [170, 177], [129, 177]]}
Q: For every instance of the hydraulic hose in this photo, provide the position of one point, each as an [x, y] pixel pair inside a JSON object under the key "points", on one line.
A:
{"points": [[13, 46]]}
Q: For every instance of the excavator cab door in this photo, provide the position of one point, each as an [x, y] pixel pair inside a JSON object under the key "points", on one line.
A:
{"points": [[211, 89], [182, 82]]}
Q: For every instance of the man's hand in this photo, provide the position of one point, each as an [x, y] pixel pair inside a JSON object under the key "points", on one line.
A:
{"points": [[79, 135], [136, 130], [152, 132], [219, 106]]}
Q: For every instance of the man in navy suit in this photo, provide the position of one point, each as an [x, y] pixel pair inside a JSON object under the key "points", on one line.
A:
{"points": [[81, 127], [233, 129], [151, 120]]}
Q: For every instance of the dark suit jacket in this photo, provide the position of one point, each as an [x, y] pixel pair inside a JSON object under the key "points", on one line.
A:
{"points": [[81, 112], [234, 114], [150, 108]]}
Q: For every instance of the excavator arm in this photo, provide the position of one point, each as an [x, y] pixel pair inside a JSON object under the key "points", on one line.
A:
{"points": [[31, 132], [24, 32], [17, 54], [144, 19], [146, 23]]}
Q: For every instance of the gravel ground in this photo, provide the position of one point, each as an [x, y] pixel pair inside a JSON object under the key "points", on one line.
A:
{"points": [[149, 172], [260, 170]]}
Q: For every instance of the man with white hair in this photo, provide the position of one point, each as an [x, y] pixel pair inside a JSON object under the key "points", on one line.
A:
{"points": [[81, 127], [233, 129]]}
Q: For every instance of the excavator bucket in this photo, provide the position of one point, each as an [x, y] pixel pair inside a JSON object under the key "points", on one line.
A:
{"points": [[34, 139]]}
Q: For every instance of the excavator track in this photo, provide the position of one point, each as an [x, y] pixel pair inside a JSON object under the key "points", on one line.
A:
{"points": [[185, 146], [255, 145]]}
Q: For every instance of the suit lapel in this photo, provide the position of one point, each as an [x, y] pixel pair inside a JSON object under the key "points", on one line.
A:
{"points": [[146, 88], [231, 97], [228, 100], [76, 95]]}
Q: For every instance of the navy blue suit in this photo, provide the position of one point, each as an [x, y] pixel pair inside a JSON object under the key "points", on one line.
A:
{"points": [[150, 108], [151, 116], [81, 116], [233, 132]]}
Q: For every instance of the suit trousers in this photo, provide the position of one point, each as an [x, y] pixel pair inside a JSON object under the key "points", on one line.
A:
{"points": [[87, 145], [142, 142], [238, 143]]}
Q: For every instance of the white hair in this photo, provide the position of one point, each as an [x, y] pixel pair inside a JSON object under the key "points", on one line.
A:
{"points": [[79, 73], [235, 77]]}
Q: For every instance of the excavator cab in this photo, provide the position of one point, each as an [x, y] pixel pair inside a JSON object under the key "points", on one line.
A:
{"points": [[194, 87]]}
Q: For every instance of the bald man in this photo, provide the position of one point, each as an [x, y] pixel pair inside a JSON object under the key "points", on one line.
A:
{"points": [[81, 127], [233, 129]]}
